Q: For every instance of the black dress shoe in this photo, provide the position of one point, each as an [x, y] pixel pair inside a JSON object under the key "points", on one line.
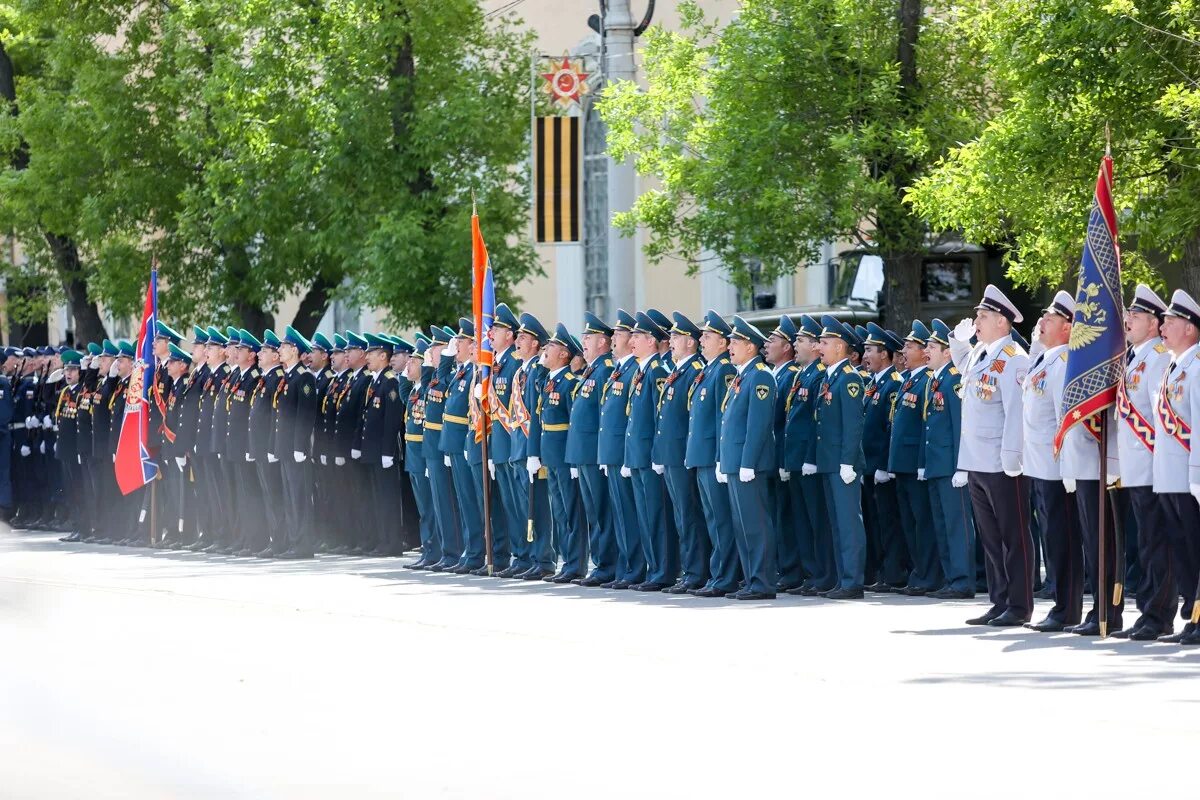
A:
{"points": [[954, 594], [679, 588], [912, 591], [536, 574], [814, 591], [618, 585], [479, 572], [843, 594], [292, 555], [1048, 625], [880, 587], [1009, 619], [744, 595], [648, 586], [787, 587], [564, 577], [1146, 633], [73, 537], [245, 552], [1087, 629], [986, 617], [1191, 638], [709, 591], [591, 581]]}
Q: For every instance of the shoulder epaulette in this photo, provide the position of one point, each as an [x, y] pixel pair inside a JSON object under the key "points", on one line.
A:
{"points": [[793, 368], [724, 360], [1159, 347], [1063, 355], [254, 373], [570, 375], [820, 366], [953, 370], [846, 368], [760, 365], [387, 373], [697, 365], [1010, 350], [608, 362], [328, 373]]}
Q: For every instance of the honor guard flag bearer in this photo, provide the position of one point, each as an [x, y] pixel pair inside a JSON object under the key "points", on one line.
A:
{"points": [[484, 302], [133, 463]]}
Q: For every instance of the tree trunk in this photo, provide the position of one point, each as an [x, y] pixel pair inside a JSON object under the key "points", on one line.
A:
{"points": [[909, 17], [246, 313], [1189, 267], [902, 298], [89, 327], [313, 305]]}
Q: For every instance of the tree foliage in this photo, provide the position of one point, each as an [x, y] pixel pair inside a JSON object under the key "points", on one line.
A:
{"points": [[1065, 70], [257, 148]]}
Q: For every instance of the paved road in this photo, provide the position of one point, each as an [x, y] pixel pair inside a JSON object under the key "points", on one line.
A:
{"points": [[136, 674]]}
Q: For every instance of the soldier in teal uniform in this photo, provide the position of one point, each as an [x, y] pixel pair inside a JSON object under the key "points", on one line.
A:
{"points": [[441, 486], [835, 453], [535, 559], [547, 447], [414, 459], [887, 553], [813, 533], [455, 425], [614, 419], [938, 462], [747, 460], [669, 451], [583, 450], [706, 399], [508, 508], [781, 355], [908, 426], [646, 387]]}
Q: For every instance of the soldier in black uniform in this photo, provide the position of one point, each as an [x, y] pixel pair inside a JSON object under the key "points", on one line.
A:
{"points": [[181, 419], [325, 500], [86, 486], [247, 534], [356, 480], [103, 478], [207, 467], [8, 365], [223, 498], [263, 404], [292, 443], [125, 507], [378, 444], [66, 414]]}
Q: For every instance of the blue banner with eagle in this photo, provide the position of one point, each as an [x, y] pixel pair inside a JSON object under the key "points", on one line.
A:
{"points": [[1096, 354]]}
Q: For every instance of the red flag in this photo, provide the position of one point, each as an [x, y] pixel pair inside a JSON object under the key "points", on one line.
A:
{"points": [[134, 465]]}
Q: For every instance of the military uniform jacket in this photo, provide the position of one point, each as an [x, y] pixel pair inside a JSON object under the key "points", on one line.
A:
{"points": [[1135, 412], [6, 406], [66, 416], [455, 415], [116, 406], [943, 423], [992, 401], [219, 432], [583, 438], [296, 413], [414, 424], [552, 418], [87, 400], [326, 385], [530, 378], [748, 420], [671, 434], [210, 391], [504, 373], [237, 415], [102, 402], [1041, 410], [880, 392], [785, 379], [614, 418], [382, 418], [348, 414], [707, 395], [801, 408], [646, 387], [264, 401], [837, 436], [1177, 410], [180, 419], [908, 423], [24, 403], [160, 391]]}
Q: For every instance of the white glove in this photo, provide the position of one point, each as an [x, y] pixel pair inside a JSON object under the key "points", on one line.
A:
{"points": [[180, 461], [1035, 342], [808, 469], [112, 371], [324, 461], [492, 468], [721, 476], [1195, 487], [626, 472], [958, 480], [300, 457], [1013, 473], [784, 475], [604, 470], [478, 392], [964, 330], [574, 473], [466, 455], [114, 458], [427, 472], [1069, 485], [55, 448], [848, 474], [47, 422], [745, 474], [388, 462], [83, 362], [658, 468], [451, 349], [271, 459], [248, 458], [54, 377], [1112, 479], [341, 462], [445, 459], [79, 460], [920, 473], [32, 422], [357, 454], [42, 448], [718, 466], [532, 465], [881, 476]]}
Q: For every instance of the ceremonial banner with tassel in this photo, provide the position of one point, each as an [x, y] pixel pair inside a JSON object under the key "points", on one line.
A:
{"points": [[483, 295], [134, 465]]}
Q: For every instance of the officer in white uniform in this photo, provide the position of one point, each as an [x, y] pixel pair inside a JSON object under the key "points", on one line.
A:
{"points": [[990, 452], [1055, 507], [1148, 361], [1177, 409]]}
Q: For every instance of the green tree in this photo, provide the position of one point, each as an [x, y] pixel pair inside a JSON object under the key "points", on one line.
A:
{"points": [[798, 123], [1065, 70]]}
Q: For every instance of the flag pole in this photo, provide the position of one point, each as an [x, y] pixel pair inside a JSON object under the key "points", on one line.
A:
{"points": [[1101, 578]]}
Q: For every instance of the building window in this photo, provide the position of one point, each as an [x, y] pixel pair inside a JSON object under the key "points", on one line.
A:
{"points": [[595, 214]]}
